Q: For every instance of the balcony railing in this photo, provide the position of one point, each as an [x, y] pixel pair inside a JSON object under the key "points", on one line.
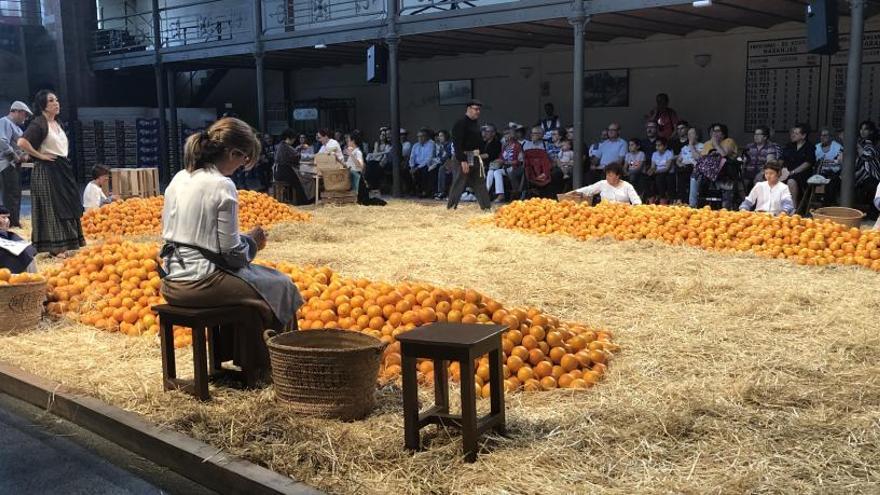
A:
{"points": [[416, 7]]}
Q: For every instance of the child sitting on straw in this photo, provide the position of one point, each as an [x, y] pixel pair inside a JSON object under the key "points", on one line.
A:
{"points": [[771, 196], [93, 196], [613, 188]]}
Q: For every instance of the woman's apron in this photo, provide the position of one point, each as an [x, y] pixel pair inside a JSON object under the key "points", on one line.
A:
{"points": [[275, 288]]}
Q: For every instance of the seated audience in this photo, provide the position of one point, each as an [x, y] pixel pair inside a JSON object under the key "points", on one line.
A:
{"points": [[715, 165], [541, 178], [16, 254], [662, 163], [634, 168], [93, 196], [612, 150], [758, 153], [512, 158], [684, 164], [354, 160], [613, 189], [207, 260], [565, 159], [829, 159], [444, 163], [330, 146], [422, 160], [490, 152], [770, 196], [799, 157]]}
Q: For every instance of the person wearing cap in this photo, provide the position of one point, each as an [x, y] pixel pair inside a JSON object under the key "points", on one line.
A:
{"points": [[11, 157], [467, 141], [16, 254], [56, 207]]}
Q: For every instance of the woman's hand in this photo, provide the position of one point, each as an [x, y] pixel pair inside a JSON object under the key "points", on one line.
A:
{"points": [[259, 236]]}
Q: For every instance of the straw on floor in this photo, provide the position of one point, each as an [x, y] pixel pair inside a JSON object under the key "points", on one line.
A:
{"points": [[737, 375]]}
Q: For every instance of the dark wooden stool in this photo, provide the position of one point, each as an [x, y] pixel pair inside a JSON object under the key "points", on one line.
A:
{"points": [[283, 192], [215, 350], [444, 342]]}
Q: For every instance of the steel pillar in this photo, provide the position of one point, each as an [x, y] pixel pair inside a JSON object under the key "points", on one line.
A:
{"points": [[853, 97], [579, 23]]}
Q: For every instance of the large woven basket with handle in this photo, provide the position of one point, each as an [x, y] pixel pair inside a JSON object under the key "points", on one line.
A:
{"points": [[325, 373], [21, 306]]}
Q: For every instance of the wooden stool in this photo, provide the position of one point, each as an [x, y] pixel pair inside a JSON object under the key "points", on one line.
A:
{"points": [[283, 192], [443, 342], [204, 321]]}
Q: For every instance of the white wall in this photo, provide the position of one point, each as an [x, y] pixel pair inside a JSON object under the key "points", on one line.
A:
{"points": [[659, 64]]}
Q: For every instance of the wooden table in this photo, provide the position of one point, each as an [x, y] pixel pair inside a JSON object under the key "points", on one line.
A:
{"points": [[443, 342]]}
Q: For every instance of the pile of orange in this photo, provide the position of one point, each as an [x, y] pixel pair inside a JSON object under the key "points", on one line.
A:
{"points": [[143, 216], [540, 351], [9, 278], [111, 286], [802, 240]]}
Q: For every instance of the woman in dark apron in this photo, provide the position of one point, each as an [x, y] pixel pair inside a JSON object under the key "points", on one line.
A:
{"points": [[56, 208], [207, 260]]}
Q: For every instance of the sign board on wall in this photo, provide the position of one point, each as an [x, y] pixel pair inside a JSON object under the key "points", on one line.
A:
{"points": [[305, 114], [782, 84], [785, 84]]}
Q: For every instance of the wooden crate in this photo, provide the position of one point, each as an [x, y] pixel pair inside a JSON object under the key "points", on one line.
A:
{"points": [[135, 182], [339, 197]]}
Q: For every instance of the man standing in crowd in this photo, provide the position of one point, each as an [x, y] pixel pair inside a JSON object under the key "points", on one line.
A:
{"points": [[10, 160], [467, 141], [665, 117], [799, 157], [649, 143], [611, 150], [681, 137], [550, 121]]}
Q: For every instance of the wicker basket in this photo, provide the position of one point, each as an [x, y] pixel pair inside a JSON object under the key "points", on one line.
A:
{"points": [[21, 306], [326, 373], [839, 214]]}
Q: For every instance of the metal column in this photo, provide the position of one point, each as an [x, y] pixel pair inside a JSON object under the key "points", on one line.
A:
{"points": [[287, 97], [259, 66], [579, 23], [392, 39], [174, 141], [853, 97], [164, 175]]}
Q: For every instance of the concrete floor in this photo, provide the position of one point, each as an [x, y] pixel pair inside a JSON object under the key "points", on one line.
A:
{"points": [[43, 454]]}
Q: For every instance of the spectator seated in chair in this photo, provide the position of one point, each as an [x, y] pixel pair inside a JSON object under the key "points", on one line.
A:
{"points": [[770, 196], [613, 189], [16, 254], [543, 180]]}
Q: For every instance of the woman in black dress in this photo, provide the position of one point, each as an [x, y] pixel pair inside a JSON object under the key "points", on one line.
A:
{"points": [[56, 209]]}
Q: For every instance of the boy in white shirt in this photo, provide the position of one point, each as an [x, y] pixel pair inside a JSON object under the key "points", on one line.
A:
{"points": [[613, 189], [771, 196], [93, 196]]}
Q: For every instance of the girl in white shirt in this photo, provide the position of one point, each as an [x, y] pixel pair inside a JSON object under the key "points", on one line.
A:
{"points": [[613, 188], [354, 160], [207, 260], [771, 196], [662, 161], [93, 196]]}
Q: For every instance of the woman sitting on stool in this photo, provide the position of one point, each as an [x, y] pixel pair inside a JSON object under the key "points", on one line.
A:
{"points": [[207, 260], [612, 189]]}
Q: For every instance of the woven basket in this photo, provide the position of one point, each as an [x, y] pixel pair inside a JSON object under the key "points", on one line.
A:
{"points": [[21, 306], [839, 214], [326, 373]]}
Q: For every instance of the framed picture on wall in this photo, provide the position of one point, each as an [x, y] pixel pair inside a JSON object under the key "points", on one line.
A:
{"points": [[457, 92], [606, 88]]}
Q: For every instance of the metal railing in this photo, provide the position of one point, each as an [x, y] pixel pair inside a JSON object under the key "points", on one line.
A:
{"points": [[21, 12], [416, 7], [309, 14]]}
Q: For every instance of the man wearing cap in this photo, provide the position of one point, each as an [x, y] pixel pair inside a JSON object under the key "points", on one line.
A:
{"points": [[10, 160], [467, 141]]}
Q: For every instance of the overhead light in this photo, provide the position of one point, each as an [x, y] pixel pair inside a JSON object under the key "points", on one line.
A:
{"points": [[116, 68], [702, 3], [320, 46]]}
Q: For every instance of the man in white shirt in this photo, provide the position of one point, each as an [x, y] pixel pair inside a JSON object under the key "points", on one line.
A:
{"points": [[612, 150], [93, 196], [11, 158]]}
